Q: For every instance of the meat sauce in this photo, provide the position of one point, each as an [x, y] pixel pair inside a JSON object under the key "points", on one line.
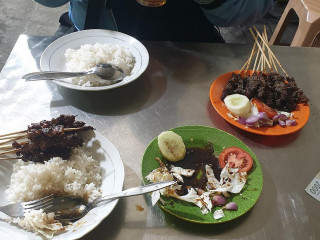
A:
{"points": [[196, 159]]}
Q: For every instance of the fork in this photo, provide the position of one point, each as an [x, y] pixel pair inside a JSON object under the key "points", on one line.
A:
{"points": [[69, 208], [19, 209]]}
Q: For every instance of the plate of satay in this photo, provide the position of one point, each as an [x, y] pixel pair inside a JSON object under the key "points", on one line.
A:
{"points": [[258, 98], [218, 177], [62, 157]]}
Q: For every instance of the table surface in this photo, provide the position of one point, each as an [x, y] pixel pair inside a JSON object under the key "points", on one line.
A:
{"points": [[174, 91]]}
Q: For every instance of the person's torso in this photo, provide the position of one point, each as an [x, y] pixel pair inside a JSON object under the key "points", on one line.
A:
{"points": [[177, 20]]}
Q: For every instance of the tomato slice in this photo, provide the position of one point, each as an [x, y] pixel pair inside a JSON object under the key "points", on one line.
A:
{"points": [[237, 158], [262, 107]]}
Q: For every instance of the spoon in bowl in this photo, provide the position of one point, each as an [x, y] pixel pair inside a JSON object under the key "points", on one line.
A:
{"points": [[103, 70], [71, 208]]}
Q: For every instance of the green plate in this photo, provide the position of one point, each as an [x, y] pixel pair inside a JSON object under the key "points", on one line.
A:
{"points": [[199, 136]]}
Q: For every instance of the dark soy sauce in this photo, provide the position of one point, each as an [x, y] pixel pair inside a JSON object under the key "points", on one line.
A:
{"points": [[197, 158]]}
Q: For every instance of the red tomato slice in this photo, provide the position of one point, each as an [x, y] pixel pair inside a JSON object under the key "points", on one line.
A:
{"points": [[237, 158], [262, 107]]}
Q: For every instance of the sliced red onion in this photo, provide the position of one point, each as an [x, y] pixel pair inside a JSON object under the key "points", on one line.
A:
{"points": [[291, 122], [285, 113], [252, 121], [266, 122], [242, 120], [275, 118], [263, 115], [282, 117], [218, 200], [231, 206], [281, 123]]}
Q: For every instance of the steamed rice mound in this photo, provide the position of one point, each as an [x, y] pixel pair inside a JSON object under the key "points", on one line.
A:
{"points": [[89, 55], [80, 176]]}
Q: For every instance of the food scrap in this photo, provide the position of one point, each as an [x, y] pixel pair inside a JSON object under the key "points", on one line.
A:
{"points": [[139, 208], [201, 180]]}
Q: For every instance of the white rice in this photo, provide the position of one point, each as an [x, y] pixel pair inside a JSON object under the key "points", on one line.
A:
{"points": [[89, 55], [79, 176]]}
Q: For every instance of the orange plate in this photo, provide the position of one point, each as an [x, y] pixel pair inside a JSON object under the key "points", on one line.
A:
{"points": [[301, 114]]}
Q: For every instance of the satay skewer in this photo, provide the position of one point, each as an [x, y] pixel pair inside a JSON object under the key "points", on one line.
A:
{"points": [[6, 147], [13, 138], [262, 52], [256, 61], [248, 62], [267, 45], [274, 66], [10, 151], [10, 158], [13, 133]]}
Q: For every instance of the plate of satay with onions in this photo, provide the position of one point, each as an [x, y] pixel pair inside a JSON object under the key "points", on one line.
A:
{"points": [[261, 97], [58, 157]]}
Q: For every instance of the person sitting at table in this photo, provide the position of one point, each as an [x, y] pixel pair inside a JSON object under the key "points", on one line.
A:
{"points": [[177, 20]]}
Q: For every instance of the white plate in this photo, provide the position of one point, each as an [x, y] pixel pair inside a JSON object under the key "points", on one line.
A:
{"points": [[112, 181], [52, 59]]}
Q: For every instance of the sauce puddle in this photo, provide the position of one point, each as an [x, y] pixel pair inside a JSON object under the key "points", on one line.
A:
{"points": [[196, 159]]}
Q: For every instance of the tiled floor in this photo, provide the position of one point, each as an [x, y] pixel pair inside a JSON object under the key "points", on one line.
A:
{"points": [[27, 17]]}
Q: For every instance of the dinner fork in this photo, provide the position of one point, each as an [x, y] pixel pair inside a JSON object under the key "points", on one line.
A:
{"points": [[19, 209], [69, 208]]}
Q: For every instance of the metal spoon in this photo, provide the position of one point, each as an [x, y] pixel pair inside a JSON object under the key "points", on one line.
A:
{"points": [[103, 70], [71, 208]]}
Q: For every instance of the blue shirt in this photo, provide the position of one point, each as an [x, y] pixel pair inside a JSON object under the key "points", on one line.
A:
{"points": [[183, 17]]}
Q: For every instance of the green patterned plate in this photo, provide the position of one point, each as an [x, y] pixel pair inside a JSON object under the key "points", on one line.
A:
{"points": [[199, 136]]}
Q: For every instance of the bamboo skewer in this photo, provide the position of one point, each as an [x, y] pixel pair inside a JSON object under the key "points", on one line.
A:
{"points": [[6, 147], [255, 61], [13, 138], [272, 54], [10, 151], [269, 54], [264, 59], [262, 52], [25, 131], [247, 64], [13, 133], [10, 158], [254, 50], [10, 137]]}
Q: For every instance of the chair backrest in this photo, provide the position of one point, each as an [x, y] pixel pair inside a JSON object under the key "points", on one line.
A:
{"points": [[313, 8]]}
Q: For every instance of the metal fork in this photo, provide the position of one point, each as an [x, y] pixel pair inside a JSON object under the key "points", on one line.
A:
{"points": [[19, 209]]}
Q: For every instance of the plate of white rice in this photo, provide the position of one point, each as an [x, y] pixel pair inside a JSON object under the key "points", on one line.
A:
{"points": [[80, 51], [95, 169]]}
